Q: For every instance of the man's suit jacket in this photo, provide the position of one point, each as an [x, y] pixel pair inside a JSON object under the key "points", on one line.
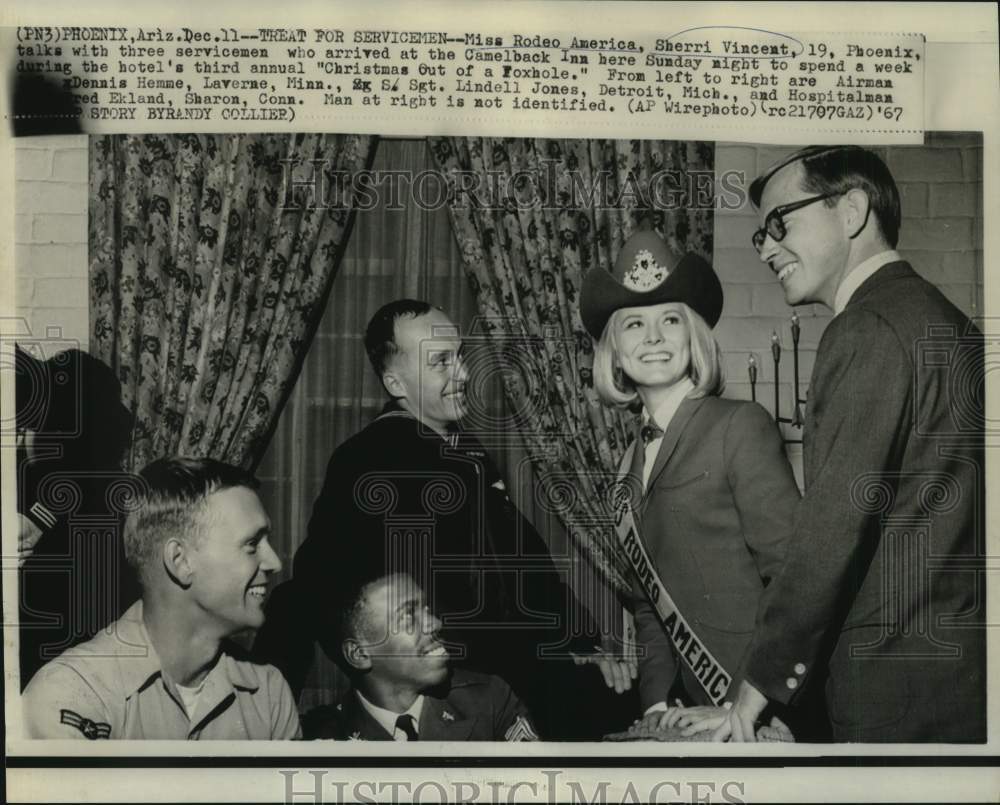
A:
{"points": [[715, 517], [469, 707], [881, 577]]}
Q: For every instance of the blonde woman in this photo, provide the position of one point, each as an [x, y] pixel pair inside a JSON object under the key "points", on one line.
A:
{"points": [[713, 495]]}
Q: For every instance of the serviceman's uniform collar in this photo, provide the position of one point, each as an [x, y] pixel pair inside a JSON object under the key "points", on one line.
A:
{"points": [[394, 409], [386, 718], [144, 668]]}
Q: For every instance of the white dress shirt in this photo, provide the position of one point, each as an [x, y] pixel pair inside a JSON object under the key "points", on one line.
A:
{"points": [[861, 272], [662, 417], [387, 718]]}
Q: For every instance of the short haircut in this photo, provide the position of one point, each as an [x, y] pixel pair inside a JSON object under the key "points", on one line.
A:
{"points": [[380, 336], [835, 170], [345, 621], [615, 388], [172, 502], [338, 605]]}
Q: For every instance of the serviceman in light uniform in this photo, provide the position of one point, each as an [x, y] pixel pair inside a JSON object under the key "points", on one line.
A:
{"points": [[199, 542]]}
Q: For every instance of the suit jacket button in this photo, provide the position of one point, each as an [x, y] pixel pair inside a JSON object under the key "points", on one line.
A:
{"points": [[792, 683], [800, 668]]}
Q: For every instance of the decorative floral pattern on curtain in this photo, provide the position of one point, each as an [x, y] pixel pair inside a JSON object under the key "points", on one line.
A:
{"points": [[532, 216], [206, 285]]}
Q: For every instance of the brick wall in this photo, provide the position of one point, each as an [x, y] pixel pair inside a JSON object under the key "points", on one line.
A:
{"points": [[50, 204], [941, 235]]}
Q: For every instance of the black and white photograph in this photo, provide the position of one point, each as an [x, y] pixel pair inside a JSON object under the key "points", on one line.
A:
{"points": [[641, 449]]}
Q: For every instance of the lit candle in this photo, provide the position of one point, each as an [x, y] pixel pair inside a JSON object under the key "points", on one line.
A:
{"points": [[795, 328], [752, 371], [775, 346]]}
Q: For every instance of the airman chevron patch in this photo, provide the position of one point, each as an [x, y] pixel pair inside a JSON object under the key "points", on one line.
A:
{"points": [[520, 730], [92, 730]]}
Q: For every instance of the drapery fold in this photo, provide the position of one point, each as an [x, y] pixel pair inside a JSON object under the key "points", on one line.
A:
{"points": [[211, 258], [532, 216]]}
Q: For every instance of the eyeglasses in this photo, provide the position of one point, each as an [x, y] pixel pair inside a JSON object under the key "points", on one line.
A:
{"points": [[774, 224]]}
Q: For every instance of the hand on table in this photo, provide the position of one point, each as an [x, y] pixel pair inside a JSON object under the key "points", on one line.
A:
{"points": [[692, 720], [657, 720], [740, 722]]}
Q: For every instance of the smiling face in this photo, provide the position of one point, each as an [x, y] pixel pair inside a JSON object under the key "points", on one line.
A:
{"points": [[427, 373], [400, 636], [231, 559], [653, 344], [812, 258]]}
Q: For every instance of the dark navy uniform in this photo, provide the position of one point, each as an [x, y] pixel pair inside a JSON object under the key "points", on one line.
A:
{"points": [[73, 580]]}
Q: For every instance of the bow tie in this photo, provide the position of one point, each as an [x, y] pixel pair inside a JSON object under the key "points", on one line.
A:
{"points": [[649, 432]]}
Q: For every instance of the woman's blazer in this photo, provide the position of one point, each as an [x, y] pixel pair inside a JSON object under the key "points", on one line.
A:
{"points": [[717, 511]]}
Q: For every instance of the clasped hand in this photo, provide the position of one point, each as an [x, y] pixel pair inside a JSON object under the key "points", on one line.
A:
{"points": [[689, 720]]}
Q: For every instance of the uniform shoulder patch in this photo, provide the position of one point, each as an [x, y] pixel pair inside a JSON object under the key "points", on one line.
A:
{"points": [[520, 730], [92, 730]]}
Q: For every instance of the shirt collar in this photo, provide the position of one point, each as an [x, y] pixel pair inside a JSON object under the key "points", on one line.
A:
{"points": [[666, 410], [140, 663], [387, 718], [856, 278]]}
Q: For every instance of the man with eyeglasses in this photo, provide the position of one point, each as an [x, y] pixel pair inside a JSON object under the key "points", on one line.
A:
{"points": [[882, 586]]}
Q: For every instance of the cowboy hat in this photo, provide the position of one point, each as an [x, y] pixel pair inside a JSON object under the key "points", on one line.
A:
{"points": [[647, 272]]}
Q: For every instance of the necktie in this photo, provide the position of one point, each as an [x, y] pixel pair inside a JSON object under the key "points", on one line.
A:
{"points": [[406, 725]]}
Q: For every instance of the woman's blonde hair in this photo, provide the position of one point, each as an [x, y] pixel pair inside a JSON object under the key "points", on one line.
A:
{"points": [[615, 388]]}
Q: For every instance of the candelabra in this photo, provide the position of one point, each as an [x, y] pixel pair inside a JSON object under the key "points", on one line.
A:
{"points": [[796, 418]]}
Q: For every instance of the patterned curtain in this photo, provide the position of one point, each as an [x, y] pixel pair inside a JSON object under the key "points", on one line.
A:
{"points": [[208, 276], [532, 216]]}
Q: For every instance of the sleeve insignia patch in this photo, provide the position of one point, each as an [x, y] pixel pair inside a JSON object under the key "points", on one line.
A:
{"points": [[520, 730], [92, 730], [447, 716]]}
